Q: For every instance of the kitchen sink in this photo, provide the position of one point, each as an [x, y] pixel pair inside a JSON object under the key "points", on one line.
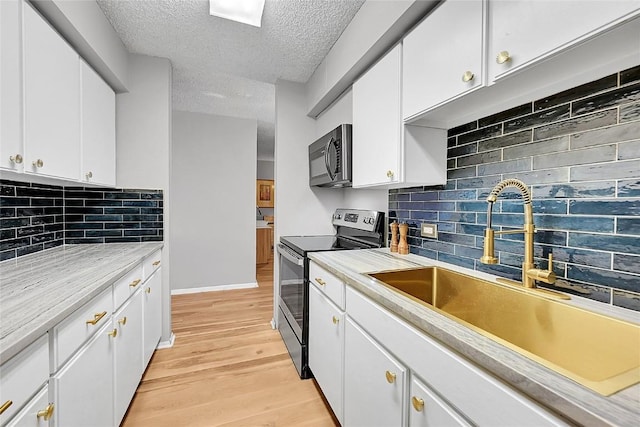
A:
{"points": [[597, 351]]}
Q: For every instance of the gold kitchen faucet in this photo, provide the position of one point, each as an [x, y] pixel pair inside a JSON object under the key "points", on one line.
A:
{"points": [[529, 271]]}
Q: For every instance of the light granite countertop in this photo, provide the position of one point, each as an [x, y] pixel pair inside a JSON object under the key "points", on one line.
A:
{"points": [[578, 404], [39, 290]]}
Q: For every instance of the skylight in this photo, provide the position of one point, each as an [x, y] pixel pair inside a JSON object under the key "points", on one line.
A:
{"points": [[243, 11]]}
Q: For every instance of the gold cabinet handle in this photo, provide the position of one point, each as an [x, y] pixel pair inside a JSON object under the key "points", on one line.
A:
{"points": [[335, 320], [89, 175], [418, 404], [503, 57], [135, 283], [16, 159], [123, 321], [148, 290], [5, 406], [390, 174], [96, 318], [391, 377], [113, 333], [320, 281], [156, 263], [46, 413], [38, 163], [467, 76]]}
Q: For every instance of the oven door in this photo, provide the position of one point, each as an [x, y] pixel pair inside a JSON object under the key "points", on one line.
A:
{"points": [[292, 289]]}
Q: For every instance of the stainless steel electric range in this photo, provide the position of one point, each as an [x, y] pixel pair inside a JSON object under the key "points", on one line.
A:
{"points": [[355, 229]]}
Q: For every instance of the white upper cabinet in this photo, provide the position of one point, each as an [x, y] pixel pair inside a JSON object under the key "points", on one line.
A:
{"points": [[386, 153], [10, 87], [98, 128], [377, 128], [442, 56], [526, 31], [51, 100]]}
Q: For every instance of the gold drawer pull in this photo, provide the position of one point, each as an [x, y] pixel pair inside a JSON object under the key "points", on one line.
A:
{"points": [[467, 76], [320, 281], [418, 404], [135, 283], [156, 263], [96, 318], [335, 320], [148, 290], [38, 163], [46, 413], [5, 406], [16, 159], [113, 333], [391, 377], [123, 321]]}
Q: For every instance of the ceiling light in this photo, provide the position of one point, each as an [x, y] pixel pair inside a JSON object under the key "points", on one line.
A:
{"points": [[243, 11]]}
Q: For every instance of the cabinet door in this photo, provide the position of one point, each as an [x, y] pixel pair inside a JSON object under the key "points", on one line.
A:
{"points": [[152, 325], [84, 386], [128, 354], [374, 382], [51, 100], [98, 112], [434, 72], [326, 348], [429, 410], [531, 30], [37, 413], [10, 87], [377, 125]]}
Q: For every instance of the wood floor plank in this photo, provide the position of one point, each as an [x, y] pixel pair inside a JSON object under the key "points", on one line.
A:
{"points": [[227, 367]]}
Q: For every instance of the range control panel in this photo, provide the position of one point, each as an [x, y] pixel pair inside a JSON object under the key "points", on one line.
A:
{"points": [[356, 218]]}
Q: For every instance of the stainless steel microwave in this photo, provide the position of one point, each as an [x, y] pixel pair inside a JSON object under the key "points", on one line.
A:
{"points": [[330, 159]]}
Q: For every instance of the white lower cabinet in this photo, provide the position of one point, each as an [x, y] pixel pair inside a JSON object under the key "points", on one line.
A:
{"points": [[429, 410], [326, 347], [22, 376], [374, 384], [396, 375], [152, 312], [83, 388], [37, 413], [127, 321]]}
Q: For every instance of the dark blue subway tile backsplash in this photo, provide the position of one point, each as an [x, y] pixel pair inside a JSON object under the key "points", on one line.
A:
{"points": [[34, 217], [579, 153]]}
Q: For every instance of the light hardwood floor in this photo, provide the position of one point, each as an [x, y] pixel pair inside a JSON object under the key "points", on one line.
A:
{"points": [[226, 368]]}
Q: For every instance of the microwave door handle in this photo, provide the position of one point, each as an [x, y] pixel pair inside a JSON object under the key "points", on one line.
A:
{"points": [[326, 159]]}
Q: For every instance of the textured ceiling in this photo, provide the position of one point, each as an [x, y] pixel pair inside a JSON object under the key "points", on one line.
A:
{"points": [[226, 68]]}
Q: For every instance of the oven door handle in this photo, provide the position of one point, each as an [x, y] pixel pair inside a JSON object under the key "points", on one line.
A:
{"points": [[285, 252]]}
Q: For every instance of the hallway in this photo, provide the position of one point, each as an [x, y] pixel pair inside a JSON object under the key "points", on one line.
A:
{"points": [[226, 368]]}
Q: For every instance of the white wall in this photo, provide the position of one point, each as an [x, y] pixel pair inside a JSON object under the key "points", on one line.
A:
{"points": [[143, 123], [266, 169], [213, 179]]}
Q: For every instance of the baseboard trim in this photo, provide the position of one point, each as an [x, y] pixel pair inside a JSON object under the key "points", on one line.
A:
{"points": [[168, 343], [214, 288]]}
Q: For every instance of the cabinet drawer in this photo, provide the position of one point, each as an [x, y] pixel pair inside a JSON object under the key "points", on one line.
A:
{"points": [[151, 263], [126, 286], [22, 376], [328, 284], [32, 414], [479, 396], [428, 409], [80, 326]]}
